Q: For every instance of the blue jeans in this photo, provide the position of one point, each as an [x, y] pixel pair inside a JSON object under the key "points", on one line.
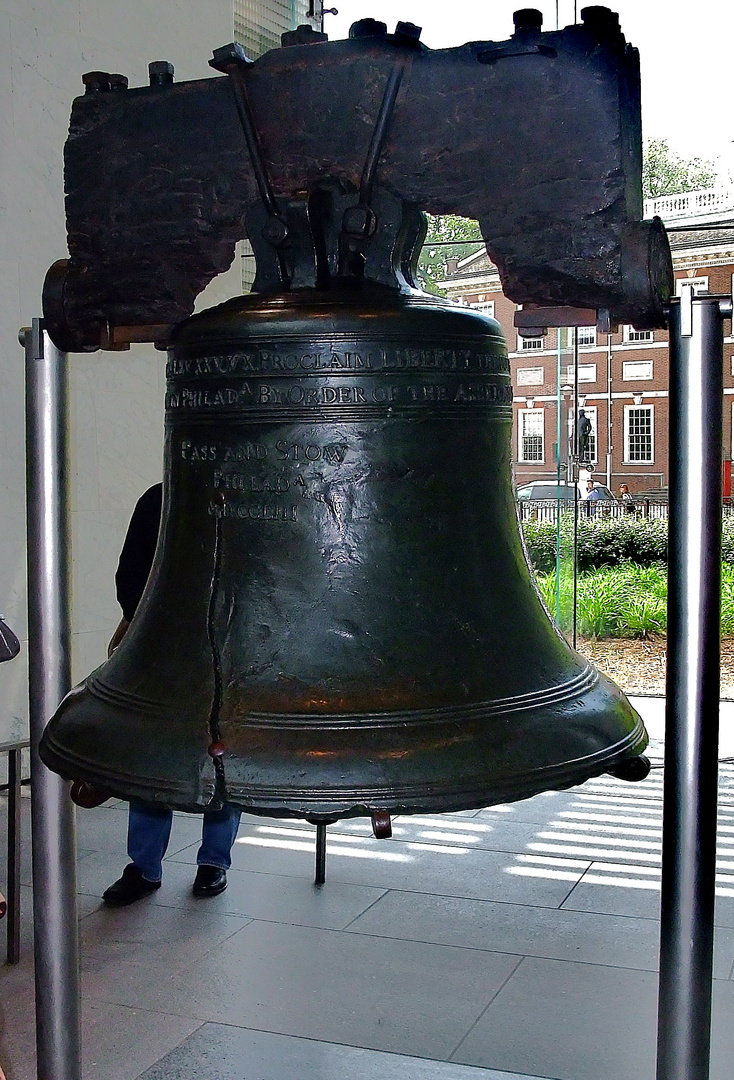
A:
{"points": [[149, 829]]}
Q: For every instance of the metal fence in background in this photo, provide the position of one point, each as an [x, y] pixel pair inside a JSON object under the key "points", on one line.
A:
{"points": [[547, 509]]}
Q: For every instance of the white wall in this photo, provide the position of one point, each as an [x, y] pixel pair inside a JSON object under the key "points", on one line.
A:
{"points": [[116, 398]]}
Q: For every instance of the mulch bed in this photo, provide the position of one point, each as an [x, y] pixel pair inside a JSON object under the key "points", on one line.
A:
{"points": [[639, 666]]}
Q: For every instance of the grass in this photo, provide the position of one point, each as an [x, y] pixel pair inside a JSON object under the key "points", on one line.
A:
{"points": [[626, 601]]}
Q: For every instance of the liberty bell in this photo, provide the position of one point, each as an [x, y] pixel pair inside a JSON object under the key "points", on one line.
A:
{"points": [[341, 619]]}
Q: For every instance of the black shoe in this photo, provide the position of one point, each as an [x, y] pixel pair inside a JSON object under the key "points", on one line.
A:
{"points": [[132, 886], [209, 881]]}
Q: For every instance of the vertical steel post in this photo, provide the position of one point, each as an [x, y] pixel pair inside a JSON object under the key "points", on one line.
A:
{"points": [[692, 690], [14, 830], [53, 824], [320, 853]]}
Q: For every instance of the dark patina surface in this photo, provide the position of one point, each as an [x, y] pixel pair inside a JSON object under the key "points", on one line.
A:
{"points": [[340, 602], [340, 618], [537, 137]]}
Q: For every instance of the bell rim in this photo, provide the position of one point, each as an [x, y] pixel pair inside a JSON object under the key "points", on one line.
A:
{"points": [[410, 799]]}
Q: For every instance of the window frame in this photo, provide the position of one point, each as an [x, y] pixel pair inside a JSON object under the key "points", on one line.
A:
{"points": [[641, 337], [587, 330], [637, 378], [571, 374], [484, 307], [522, 435], [523, 346], [628, 410], [538, 382], [592, 411], [700, 284]]}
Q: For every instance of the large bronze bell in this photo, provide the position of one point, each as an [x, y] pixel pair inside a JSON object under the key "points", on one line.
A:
{"points": [[340, 617]]}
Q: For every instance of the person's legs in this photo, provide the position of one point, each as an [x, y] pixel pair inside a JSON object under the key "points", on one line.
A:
{"points": [[148, 832], [218, 833]]}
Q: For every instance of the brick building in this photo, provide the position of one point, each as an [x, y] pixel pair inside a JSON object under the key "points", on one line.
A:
{"points": [[622, 377]]}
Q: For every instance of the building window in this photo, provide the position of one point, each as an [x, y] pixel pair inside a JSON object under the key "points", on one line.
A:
{"points": [[485, 306], [530, 376], [532, 435], [700, 285], [638, 433], [587, 373], [631, 336], [527, 344], [636, 369], [591, 446], [587, 336]]}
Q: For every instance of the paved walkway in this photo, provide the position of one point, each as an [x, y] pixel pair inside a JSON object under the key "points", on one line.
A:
{"points": [[514, 942]]}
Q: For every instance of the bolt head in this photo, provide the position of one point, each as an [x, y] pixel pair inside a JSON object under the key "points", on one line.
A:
{"points": [[275, 231], [302, 35], [408, 31], [368, 28], [160, 72]]}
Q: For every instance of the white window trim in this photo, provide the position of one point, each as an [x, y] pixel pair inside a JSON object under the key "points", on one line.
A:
{"points": [[637, 378], [522, 347], [587, 367], [485, 307], [582, 345], [520, 434], [700, 285], [627, 330], [636, 461], [535, 382]]}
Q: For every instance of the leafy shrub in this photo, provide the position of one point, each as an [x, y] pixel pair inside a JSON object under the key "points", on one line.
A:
{"points": [[601, 541]]}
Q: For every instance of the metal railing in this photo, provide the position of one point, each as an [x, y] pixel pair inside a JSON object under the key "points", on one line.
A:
{"points": [[547, 509], [691, 204]]}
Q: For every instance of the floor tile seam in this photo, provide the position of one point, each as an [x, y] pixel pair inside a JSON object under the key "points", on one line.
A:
{"points": [[174, 907], [368, 908], [517, 904], [513, 952], [346, 1046], [363, 885], [577, 882], [184, 907], [191, 1034], [483, 1012], [180, 971]]}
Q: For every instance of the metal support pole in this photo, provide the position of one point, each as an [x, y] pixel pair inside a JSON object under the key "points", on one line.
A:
{"points": [[320, 853], [53, 824], [692, 691], [14, 831]]}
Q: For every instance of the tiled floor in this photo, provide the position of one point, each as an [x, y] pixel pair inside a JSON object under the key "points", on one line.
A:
{"points": [[513, 943]]}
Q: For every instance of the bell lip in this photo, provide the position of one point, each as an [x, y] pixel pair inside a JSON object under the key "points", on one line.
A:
{"points": [[412, 799]]}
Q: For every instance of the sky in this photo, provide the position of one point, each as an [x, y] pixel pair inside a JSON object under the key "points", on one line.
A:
{"points": [[685, 55]]}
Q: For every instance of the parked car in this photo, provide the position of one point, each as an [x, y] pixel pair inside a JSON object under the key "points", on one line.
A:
{"points": [[550, 489]]}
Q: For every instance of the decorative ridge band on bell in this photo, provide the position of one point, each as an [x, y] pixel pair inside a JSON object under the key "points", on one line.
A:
{"points": [[340, 617]]}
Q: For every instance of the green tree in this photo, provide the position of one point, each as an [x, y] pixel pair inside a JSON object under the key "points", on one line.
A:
{"points": [[448, 237], [664, 172]]}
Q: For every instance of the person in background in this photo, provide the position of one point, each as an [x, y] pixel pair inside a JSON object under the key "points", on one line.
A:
{"points": [[149, 827], [591, 497], [626, 499]]}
